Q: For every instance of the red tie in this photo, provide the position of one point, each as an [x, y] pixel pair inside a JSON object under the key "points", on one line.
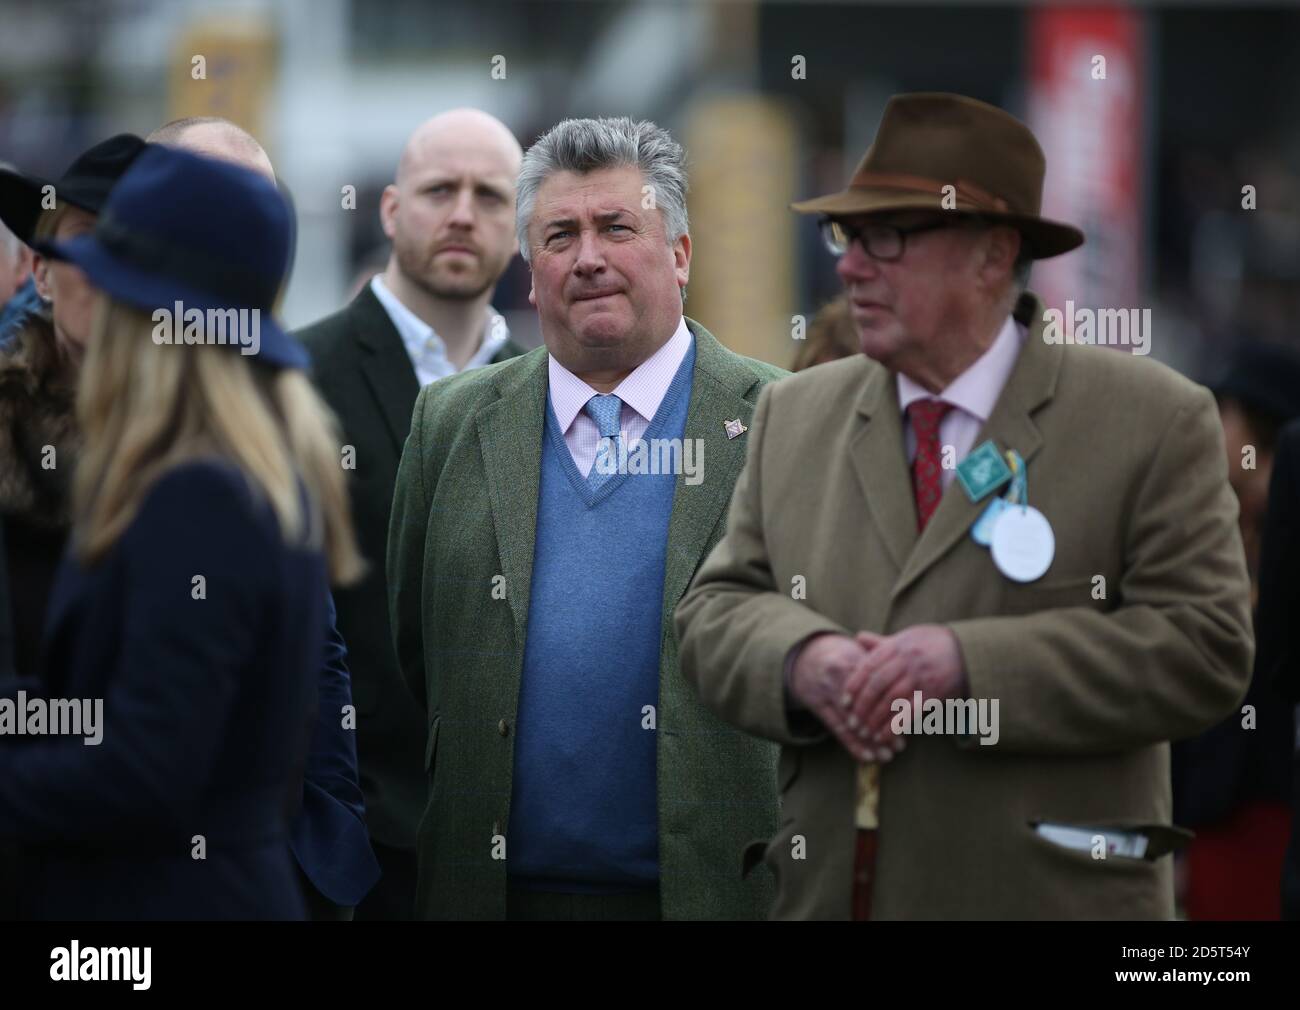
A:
{"points": [[925, 416]]}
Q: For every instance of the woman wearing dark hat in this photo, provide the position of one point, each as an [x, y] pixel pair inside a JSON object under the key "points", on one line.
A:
{"points": [[209, 505], [38, 372], [39, 354]]}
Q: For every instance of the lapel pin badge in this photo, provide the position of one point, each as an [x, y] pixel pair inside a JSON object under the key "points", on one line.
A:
{"points": [[983, 471], [734, 428]]}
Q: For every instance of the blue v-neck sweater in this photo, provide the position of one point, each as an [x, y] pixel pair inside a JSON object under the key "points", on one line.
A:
{"points": [[583, 810]]}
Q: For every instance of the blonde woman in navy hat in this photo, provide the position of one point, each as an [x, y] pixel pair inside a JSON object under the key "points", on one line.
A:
{"points": [[209, 508]]}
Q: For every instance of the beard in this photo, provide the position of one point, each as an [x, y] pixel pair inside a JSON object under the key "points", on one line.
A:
{"points": [[438, 280]]}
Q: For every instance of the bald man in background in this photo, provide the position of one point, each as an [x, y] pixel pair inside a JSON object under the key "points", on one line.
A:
{"points": [[328, 834], [450, 214], [216, 138]]}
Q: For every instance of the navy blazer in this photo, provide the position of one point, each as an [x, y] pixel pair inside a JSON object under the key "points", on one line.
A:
{"points": [[329, 835], [201, 632]]}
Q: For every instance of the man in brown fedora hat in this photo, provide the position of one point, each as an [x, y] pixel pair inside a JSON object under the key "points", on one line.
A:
{"points": [[973, 581]]}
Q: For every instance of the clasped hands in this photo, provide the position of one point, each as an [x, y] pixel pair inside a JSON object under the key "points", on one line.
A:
{"points": [[850, 683]]}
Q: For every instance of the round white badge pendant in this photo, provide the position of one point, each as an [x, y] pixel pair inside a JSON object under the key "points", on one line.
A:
{"points": [[1023, 544]]}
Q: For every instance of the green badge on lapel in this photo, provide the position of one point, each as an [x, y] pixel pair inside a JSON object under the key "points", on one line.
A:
{"points": [[983, 471]]}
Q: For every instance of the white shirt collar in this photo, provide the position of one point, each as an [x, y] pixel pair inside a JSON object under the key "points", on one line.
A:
{"points": [[424, 346]]}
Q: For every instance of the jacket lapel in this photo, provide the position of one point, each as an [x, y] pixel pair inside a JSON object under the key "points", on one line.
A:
{"points": [[880, 463], [1031, 384], [718, 391], [385, 365], [510, 431]]}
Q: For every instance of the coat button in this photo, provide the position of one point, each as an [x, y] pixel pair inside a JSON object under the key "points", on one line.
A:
{"points": [[503, 728]]}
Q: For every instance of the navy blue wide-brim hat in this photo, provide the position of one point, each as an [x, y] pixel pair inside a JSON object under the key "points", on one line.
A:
{"points": [[179, 227]]}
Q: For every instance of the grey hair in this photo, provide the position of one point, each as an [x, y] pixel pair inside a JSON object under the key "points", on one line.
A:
{"points": [[588, 145], [1021, 268]]}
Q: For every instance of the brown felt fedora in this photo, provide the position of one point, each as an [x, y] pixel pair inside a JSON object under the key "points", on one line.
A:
{"points": [[930, 140]]}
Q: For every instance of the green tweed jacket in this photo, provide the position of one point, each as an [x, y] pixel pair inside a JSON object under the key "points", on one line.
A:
{"points": [[460, 557]]}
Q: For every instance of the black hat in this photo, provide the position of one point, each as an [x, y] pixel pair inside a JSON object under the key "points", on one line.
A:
{"points": [[85, 184], [1265, 377]]}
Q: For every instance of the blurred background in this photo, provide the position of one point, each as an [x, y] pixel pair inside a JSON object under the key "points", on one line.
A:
{"points": [[774, 101]]}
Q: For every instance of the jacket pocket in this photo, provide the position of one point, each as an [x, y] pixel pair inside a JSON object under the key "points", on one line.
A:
{"points": [[1161, 840], [787, 769], [784, 853], [431, 746], [1020, 598], [752, 855]]}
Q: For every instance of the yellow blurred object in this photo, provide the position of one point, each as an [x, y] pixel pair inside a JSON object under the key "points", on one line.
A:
{"points": [[867, 815], [741, 150], [237, 60]]}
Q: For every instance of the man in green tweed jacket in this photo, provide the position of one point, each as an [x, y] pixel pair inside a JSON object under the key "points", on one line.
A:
{"points": [[536, 554]]}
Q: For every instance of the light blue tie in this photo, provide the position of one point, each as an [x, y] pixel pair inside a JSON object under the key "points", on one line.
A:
{"points": [[605, 409]]}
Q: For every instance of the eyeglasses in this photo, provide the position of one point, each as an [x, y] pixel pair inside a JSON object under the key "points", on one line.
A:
{"points": [[879, 241]]}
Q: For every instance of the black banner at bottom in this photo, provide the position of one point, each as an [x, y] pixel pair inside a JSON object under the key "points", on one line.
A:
{"points": [[338, 960]]}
